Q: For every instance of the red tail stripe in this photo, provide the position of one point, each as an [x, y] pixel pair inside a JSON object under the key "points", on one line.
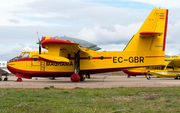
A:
{"points": [[165, 30]]}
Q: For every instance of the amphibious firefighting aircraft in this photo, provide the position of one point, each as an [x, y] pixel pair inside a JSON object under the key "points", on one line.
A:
{"points": [[144, 70], [69, 57], [171, 70]]}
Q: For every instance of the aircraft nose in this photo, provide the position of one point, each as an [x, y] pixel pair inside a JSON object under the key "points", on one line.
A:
{"points": [[10, 67]]}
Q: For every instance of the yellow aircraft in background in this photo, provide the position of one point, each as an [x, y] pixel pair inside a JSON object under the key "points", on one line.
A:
{"points": [[70, 57], [171, 70], [145, 70]]}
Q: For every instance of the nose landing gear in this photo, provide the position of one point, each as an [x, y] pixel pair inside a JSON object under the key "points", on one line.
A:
{"points": [[19, 79]]}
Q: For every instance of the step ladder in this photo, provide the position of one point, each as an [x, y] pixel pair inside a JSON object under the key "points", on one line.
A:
{"points": [[42, 65]]}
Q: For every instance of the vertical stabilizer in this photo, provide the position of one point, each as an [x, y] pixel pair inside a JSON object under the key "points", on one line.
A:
{"points": [[152, 34]]}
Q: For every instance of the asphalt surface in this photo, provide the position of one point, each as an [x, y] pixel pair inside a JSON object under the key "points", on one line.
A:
{"points": [[103, 81]]}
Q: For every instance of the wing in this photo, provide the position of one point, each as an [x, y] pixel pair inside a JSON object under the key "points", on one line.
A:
{"points": [[56, 47], [2, 71], [175, 62]]}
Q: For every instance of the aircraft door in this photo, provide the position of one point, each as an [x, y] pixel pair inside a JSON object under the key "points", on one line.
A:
{"points": [[35, 60]]}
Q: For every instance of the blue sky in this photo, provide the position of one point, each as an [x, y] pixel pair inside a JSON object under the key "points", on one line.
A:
{"points": [[108, 23]]}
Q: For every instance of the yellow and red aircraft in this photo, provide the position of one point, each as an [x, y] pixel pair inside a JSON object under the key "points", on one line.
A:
{"points": [[171, 70], [70, 57], [145, 70]]}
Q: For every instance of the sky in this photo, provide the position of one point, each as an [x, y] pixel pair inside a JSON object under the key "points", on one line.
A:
{"points": [[108, 23]]}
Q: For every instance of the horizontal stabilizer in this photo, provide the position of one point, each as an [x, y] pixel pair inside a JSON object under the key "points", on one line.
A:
{"points": [[150, 34], [52, 58]]}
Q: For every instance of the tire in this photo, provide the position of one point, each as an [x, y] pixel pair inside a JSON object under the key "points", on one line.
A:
{"points": [[6, 79], [88, 76], [149, 78]]}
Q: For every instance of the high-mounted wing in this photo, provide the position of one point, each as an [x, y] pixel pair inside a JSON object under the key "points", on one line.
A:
{"points": [[56, 45], [175, 62]]}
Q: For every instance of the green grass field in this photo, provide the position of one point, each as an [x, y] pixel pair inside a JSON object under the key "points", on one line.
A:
{"points": [[78, 100]]}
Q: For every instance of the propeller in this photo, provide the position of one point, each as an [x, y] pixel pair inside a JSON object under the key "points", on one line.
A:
{"points": [[39, 43]]}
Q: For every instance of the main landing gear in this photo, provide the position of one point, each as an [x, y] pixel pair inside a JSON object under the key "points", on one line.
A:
{"points": [[128, 76], [88, 76], [5, 79], [76, 77], [177, 78], [148, 76]]}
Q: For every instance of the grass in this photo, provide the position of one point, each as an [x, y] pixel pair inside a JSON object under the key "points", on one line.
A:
{"points": [[84, 100]]}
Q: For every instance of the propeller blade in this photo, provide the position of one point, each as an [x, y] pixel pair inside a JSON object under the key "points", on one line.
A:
{"points": [[39, 43]]}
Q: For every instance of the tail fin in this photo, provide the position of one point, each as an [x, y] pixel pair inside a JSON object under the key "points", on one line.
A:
{"points": [[152, 34]]}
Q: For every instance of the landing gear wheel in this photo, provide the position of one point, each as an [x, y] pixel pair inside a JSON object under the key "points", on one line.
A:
{"points": [[148, 77], [177, 78], [5, 79], [88, 76], [75, 78], [19, 79], [52, 78], [0, 79], [128, 76], [82, 77]]}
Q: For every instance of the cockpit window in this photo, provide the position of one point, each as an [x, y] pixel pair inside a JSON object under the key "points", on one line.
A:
{"points": [[21, 55], [83, 43], [26, 55]]}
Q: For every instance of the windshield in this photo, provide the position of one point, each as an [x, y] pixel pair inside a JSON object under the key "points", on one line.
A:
{"points": [[21, 55], [26, 55], [83, 43]]}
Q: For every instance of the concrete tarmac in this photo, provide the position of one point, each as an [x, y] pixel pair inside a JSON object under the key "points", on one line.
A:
{"points": [[102, 81]]}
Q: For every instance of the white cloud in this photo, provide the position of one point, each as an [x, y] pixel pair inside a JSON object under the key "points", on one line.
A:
{"points": [[161, 3], [9, 53], [27, 48], [109, 27], [116, 34]]}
